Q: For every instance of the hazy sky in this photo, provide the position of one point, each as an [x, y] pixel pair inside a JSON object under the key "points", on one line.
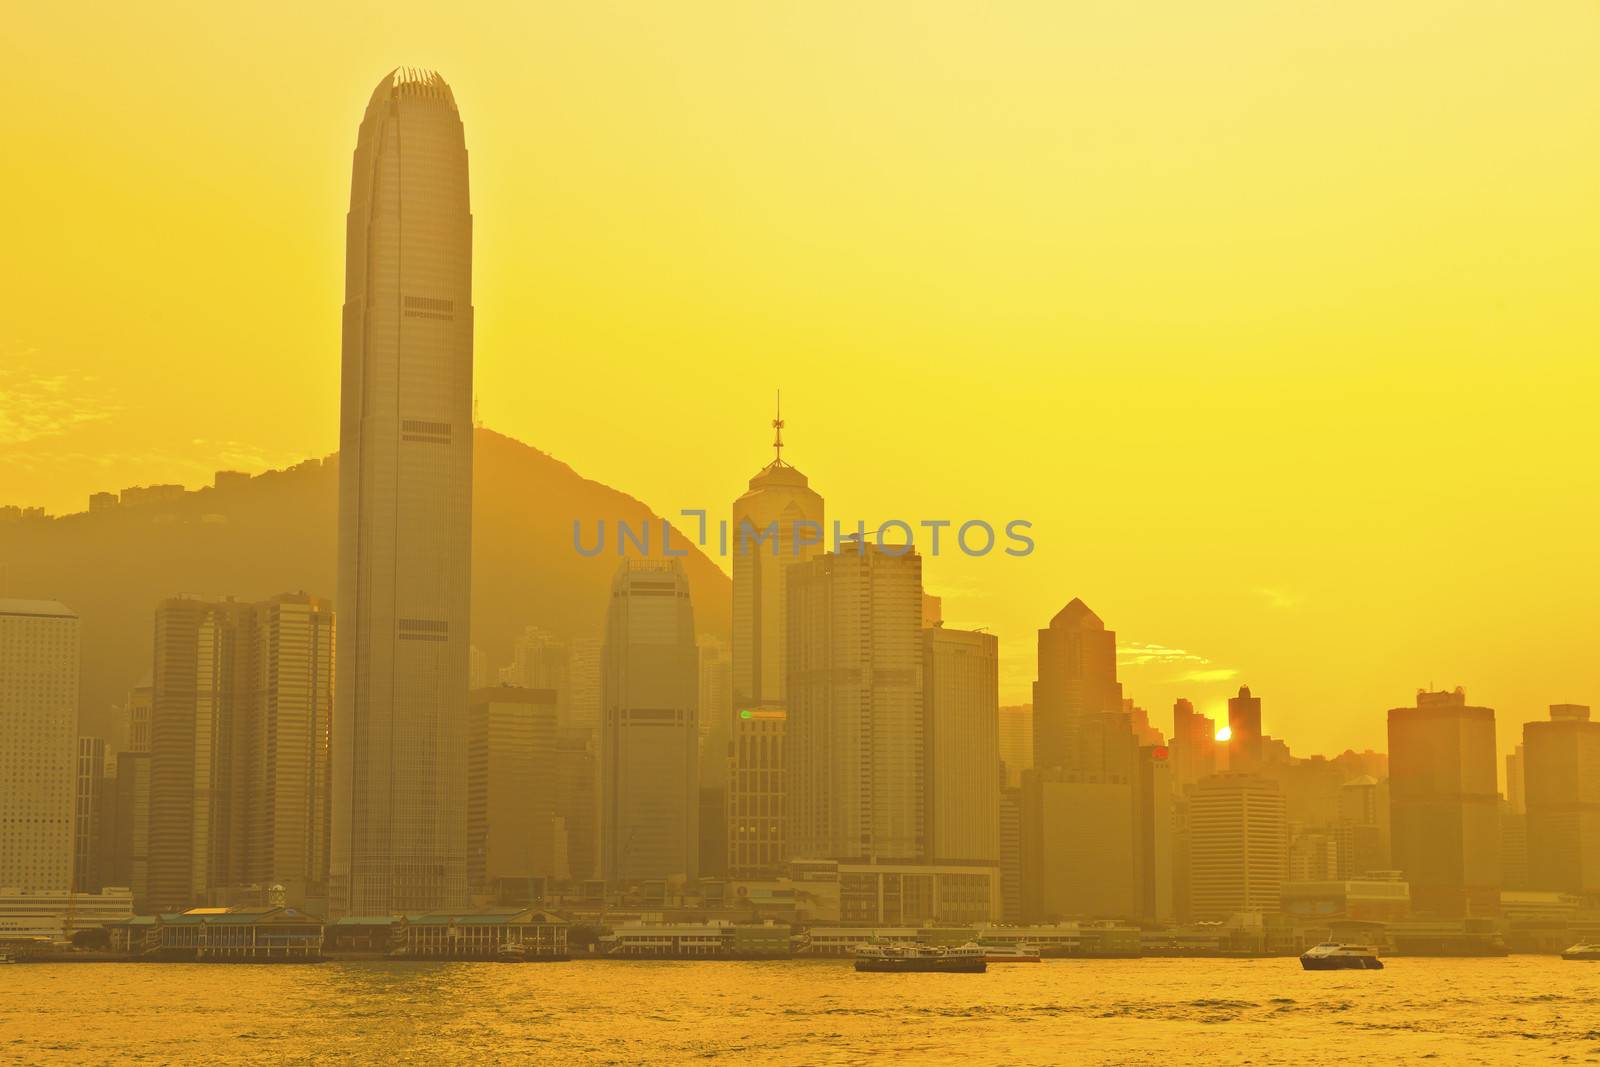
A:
{"points": [[1278, 320]]}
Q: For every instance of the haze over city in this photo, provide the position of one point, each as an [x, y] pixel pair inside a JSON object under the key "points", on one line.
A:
{"points": [[1255, 312]]}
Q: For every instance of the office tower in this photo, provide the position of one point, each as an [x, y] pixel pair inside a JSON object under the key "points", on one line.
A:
{"points": [[405, 510], [649, 780], [961, 748], [140, 701], [87, 812], [776, 523], [855, 744], [1152, 828], [1563, 801], [477, 667], [1078, 848], [1444, 804], [1245, 747], [511, 793], [1194, 745], [1011, 854], [239, 759], [1016, 742], [1516, 787], [285, 748], [38, 743], [1363, 827], [756, 794], [128, 862], [540, 660], [1077, 678], [583, 673], [1313, 855], [578, 799], [716, 731], [200, 676], [932, 611], [1236, 846], [1514, 869]]}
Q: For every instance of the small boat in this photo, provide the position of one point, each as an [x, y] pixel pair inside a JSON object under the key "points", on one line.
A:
{"points": [[1589, 950], [511, 952], [908, 958], [1332, 956], [1016, 953]]}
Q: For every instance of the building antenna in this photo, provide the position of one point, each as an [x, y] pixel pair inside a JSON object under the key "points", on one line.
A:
{"points": [[777, 427]]}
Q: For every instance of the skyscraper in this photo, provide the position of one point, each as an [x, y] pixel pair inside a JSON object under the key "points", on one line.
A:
{"points": [[649, 782], [1237, 845], [1016, 742], [1244, 731], [1077, 679], [855, 728], [775, 524], [961, 719], [1194, 745], [87, 814], [38, 743], [1563, 800], [405, 509], [511, 791], [1445, 805]]}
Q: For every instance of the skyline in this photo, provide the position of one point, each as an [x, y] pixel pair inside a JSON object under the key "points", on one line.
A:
{"points": [[1434, 422]]}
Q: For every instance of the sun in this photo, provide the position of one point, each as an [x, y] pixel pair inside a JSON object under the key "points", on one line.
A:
{"points": [[1225, 734]]}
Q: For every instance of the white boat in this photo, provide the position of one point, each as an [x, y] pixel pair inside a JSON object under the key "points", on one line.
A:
{"points": [[1333, 956], [1587, 950], [511, 952]]}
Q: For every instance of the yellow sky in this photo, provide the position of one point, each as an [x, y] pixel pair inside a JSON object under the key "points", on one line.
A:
{"points": [[1277, 320]]}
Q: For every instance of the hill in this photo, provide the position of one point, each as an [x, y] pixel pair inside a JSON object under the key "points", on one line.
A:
{"points": [[276, 532]]}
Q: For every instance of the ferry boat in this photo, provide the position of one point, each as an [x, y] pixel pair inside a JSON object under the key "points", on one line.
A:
{"points": [[511, 952], [905, 958], [1017, 953], [1583, 951], [1332, 956]]}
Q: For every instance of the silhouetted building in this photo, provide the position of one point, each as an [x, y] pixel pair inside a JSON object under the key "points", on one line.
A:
{"points": [[1016, 742], [1194, 745], [511, 792], [756, 793], [540, 660], [1244, 731], [1237, 842], [650, 738], [128, 842], [1444, 804], [855, 742], [1077, 679], [961, 719], [88, 809], [578, 799], [716, 759], [1563, 801], [1363, 827], [38, 743], [405, 509], [1011, 854], [1078, 848], [1153, 829]]}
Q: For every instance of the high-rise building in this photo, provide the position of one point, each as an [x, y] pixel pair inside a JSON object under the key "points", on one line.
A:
{"points": [[541, 660], [239, 761], [38, 743], [855, 729], [756, 794], [405, 510], [1011, 854], [1152, 834], [511, 793], [1077, 679], [127, 863], [583, 673], [1194, 745], [716, 732], [1516, 781], [1244, 731], [776, 523], [1016, 742], [1444, 804], [137, 712], [1237, 846], [578, 799], [1078, 848], [649, 779], [961, 750], [88, 811], [1363, 827], [1563, 801]]}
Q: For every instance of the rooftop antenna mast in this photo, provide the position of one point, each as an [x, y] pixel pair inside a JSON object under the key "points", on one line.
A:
{"points": [[777, 427]]}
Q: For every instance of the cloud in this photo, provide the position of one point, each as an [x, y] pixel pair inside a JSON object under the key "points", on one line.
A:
{"points": [[1280, 598], [1145, 654], [34, 406], [1213, 674]]}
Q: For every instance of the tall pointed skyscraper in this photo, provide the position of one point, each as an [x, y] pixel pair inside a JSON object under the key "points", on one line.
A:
{"points": [[405, 509], [779, 510]]}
